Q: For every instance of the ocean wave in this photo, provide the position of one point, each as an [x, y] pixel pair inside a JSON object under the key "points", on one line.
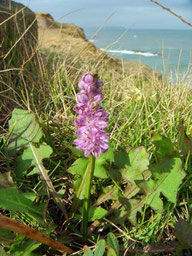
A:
{"points": [[147, 54]]}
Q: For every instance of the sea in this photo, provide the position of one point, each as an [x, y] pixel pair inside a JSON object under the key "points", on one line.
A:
{"points": [[167, 51]]}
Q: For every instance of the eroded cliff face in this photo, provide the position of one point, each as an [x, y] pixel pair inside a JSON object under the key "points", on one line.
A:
{"points": [[72, 42]]}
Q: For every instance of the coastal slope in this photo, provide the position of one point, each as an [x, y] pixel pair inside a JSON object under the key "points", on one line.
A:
{"points": [[71, 41]]}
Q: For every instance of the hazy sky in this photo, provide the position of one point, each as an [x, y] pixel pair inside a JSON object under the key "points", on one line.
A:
{"points": [[126, 13]]}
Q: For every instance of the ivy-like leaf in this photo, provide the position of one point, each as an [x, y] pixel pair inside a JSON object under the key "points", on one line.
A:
{"points": [[168, 176], [134, 162]]}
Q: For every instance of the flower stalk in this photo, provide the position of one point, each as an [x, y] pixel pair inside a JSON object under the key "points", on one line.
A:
{"points": [[91, 168], [93, 139]]}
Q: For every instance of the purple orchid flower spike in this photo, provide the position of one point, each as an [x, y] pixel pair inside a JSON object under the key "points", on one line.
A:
{"points": [[92, 119]]}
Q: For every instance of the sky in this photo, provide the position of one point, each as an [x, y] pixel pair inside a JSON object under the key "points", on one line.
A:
{"points": [[130, 14]]}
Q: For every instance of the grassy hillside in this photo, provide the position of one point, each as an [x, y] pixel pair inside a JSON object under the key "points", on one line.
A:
{"points": [[149, 120]]}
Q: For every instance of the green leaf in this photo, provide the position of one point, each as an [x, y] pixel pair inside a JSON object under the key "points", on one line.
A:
{"points": [[25, 129], [134, 162], [26, 133], [102, 162], [109, 192], [13, 200], [96, 213], [184, 142], [100, 249], [88, 252], [28, 159], [23, 247], [111, 252], [168, 177], [184, 233], [113, 242], [6, 236], [164, 147], [130, 209], [78, 168]]}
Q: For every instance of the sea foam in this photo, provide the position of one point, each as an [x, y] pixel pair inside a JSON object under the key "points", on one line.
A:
{"points": [[147, 54]]}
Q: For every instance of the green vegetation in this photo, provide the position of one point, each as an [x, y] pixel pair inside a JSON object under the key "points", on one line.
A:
{"points": [[142, 186]]}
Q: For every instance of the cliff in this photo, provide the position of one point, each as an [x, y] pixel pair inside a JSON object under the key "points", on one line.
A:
{"points": [[72, 42]]}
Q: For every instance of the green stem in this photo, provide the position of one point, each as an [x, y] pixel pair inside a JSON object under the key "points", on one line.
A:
{"points": [[87, 196]]}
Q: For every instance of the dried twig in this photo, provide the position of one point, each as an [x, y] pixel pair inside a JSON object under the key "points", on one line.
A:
{"points": [[175, 14], [151, 249], [20, 228]]}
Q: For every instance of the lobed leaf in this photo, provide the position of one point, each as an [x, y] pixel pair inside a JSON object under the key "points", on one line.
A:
{"points": [[168, 176], [163, 147], [134, 162]]}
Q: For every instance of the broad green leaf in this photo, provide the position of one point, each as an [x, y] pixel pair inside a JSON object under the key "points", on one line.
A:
{"points": [[113, 242], [134, 162], [163, 147], [11, 199], [25, 134], [168, 176], [28, 159], [96, 213], [101, 164], [184, 233], [79, 166], [24, 129], [100, 248]]}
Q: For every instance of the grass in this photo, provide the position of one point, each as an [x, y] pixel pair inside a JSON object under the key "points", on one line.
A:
{"points": [[137, 107]]}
